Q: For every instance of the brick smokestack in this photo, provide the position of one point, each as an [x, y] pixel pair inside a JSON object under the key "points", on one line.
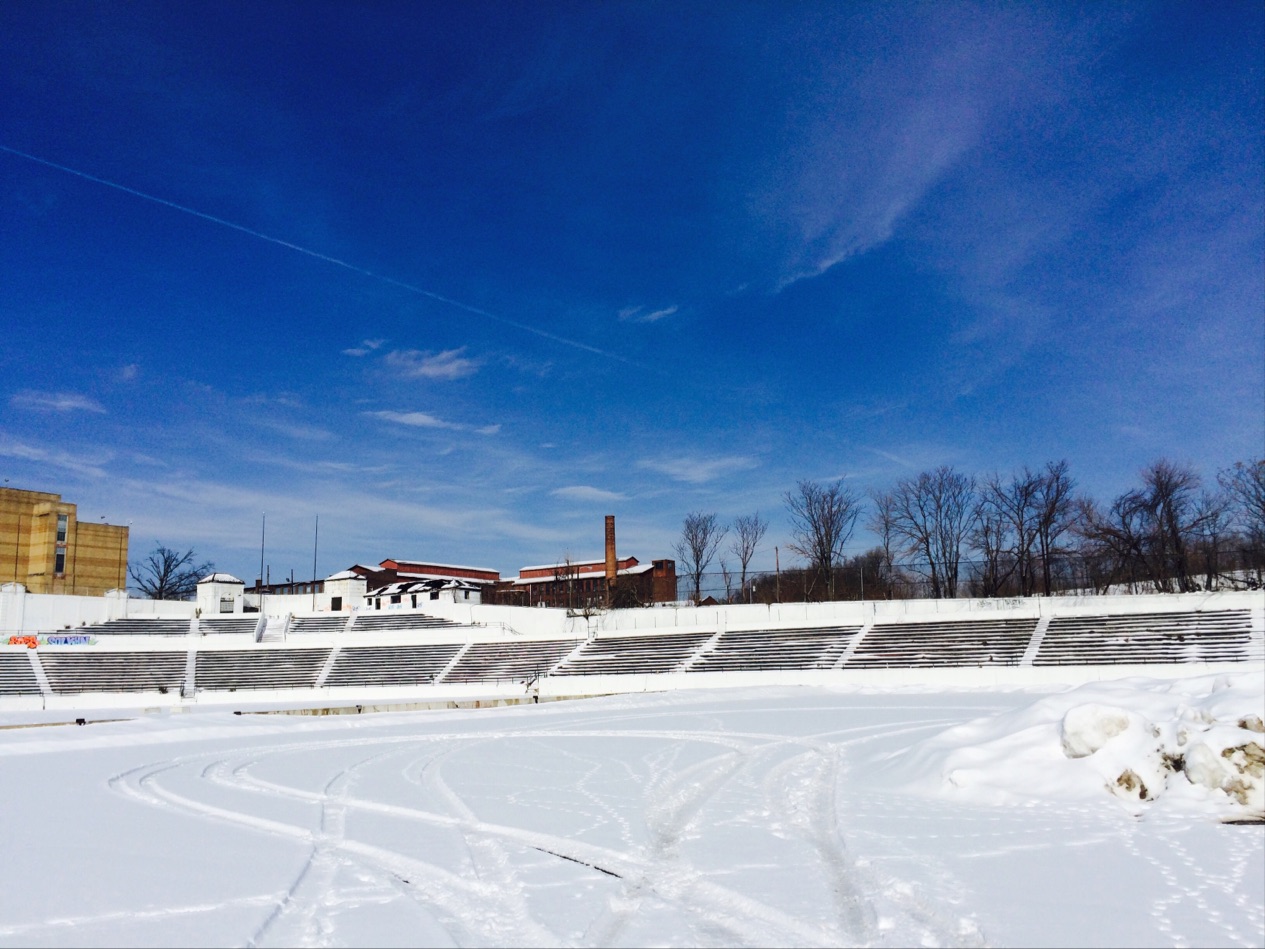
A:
{"points": [[610, 551]]}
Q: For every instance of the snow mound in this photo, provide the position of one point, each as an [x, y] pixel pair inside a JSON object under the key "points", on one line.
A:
{"points": [[1191, 745]]}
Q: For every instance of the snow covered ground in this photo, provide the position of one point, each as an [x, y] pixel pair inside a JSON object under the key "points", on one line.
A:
{"points": [[762, 817]]}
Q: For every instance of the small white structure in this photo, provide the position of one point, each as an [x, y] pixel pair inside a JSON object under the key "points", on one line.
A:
{"points": [[220, 593], [344, 591]]}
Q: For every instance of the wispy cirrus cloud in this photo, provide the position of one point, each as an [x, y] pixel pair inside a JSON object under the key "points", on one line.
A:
{"points": [[365, 348], [426, 420], [79, 462], [584, 492], [56, 402], [639, 314], [698, 470], [297, 430], [448, 364]]}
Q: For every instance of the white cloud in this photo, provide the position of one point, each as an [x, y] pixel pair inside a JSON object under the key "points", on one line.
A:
{"points": [[449, 364], [638, 314], [426, 420], [698, 470], [129, 372], [584, 492], [311, 433], [414, 419], [56, 402], [79, 462], [365, 348]]}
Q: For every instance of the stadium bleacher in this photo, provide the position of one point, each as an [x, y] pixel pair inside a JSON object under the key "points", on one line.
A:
{"points": [[511, 659], [244, 625], [765, 649], [139, 626], [95, 659], [968, 642], [390, 665], [633, 655], [17, 676], [99, 671], [397, 620], [324, 623], [1212, 636], [260, 668]]}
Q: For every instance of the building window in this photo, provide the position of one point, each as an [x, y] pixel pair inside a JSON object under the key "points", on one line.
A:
{"points": [[395, 598], [336, 603], [63, 523], [59, 565]]}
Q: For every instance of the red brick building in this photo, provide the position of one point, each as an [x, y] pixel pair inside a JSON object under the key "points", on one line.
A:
{"points": [[586, 584]]}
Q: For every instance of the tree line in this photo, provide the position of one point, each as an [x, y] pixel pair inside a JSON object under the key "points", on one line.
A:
{"points": [[944, 533]]}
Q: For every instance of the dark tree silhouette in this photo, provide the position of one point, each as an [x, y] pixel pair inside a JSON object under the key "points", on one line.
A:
{"points": [[749, 530], [700, 537], [166, 574], [822, 519]]}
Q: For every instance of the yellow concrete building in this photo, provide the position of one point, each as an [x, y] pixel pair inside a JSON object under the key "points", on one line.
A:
{"points": [[46, 548]]}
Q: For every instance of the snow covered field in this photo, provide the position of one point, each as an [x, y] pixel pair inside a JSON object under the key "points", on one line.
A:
{"points": [[763, 817]]}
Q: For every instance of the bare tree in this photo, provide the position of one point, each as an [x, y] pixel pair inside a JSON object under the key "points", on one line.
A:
{"points": [[727, 576], [1244, 487], [166, 574], [701, 535], [1149, 530], [1214, 521], [565, 572], [822, 521], [749, 530], [882, 523], [934, 513], [1055, 514]]}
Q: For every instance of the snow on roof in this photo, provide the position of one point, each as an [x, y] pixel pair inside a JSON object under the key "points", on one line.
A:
{"points": [[582, 575], [445, 566], [417, 586], [219, 578], [344, 575], [576, 562], [443, 576]]}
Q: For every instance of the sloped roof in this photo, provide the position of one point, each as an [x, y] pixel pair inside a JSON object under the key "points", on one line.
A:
{"points": [[219, 578]]}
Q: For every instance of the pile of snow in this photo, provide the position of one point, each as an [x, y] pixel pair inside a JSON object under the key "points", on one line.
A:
{"points": [[1190, 745]]}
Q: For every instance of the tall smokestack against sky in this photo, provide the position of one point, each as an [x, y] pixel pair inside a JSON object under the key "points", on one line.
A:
{"points": [[610, 550]]}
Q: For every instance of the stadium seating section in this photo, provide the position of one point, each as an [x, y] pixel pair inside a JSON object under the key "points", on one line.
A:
{"points": [[1071, 638]]}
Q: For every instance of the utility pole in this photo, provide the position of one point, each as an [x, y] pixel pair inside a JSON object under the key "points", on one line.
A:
{"points": [[315, 537], [263, 532], [777, 567]]}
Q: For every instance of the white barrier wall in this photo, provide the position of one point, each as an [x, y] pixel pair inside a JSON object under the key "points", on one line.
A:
{"points": [[23, 612], [843, 613]]}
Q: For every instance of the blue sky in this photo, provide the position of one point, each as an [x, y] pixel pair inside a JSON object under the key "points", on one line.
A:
{"points": [[460, 279]]}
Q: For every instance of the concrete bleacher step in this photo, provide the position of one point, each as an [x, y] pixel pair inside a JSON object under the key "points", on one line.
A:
{"points": [[149, 671], [390, 665], [140, 626], [514, 659], [634, 655], [260, 668], [398, 620], [17, 674], [326, 623]]}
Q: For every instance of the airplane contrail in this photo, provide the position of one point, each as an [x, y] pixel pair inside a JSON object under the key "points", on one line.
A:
{"points": [[544, 334]]}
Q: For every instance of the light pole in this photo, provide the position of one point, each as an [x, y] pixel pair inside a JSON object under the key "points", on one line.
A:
{"points": [[315, 537], [263, 529]]}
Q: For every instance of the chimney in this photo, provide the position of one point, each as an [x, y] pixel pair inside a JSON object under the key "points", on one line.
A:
{"points": [[611, 564]]}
